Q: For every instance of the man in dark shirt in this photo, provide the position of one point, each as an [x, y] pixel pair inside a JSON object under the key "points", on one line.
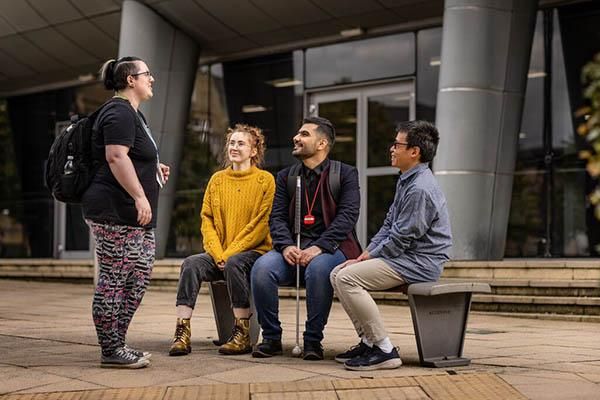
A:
{"points": [[327, 239]]}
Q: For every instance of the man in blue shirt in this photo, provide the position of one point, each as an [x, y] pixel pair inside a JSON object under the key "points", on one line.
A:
{"points": [[411, 246]]}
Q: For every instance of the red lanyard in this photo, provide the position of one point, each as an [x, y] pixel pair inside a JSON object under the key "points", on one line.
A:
{"points": [[309, 219]]}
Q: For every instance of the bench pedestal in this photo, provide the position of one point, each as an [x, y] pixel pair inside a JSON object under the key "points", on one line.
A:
{"points": [[439, 313], [223, 312]]}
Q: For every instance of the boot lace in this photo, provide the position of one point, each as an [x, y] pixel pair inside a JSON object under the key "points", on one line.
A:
{"points": [[180, 333], [237, 334]]}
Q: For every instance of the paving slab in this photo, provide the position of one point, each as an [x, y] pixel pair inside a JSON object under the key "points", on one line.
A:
{"points": [[48, 345]]}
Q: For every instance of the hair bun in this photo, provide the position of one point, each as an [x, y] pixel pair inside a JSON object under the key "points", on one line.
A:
{"points": [[107, 74]]}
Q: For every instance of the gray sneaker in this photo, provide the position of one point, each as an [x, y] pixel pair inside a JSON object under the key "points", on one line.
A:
{"points": [[122, 358], [141, 354]]}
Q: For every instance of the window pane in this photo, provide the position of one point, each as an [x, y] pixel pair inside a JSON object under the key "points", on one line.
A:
{"points": [[203, 144], [343, 116], [268, 92], [526, 225], [361, 60], [429, 48], [385, 112], [77, 231], [381, 191], [526, 232]]}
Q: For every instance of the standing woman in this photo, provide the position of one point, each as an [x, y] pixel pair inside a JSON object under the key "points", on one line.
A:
{"points": [[121, 205], [235, 229]]}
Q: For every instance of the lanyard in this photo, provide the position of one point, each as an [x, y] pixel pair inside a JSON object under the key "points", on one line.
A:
{"points": [[309, 219], [159, 175]]}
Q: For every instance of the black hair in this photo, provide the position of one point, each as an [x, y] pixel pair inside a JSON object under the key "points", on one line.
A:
{"points": [[324, 126], [114, 73], [421, 134]]}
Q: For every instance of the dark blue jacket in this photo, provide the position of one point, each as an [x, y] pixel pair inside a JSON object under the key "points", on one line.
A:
{"points": [[340, 219]]}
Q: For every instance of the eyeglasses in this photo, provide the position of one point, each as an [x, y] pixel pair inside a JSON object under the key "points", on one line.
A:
{"points": [[395, 144], [146, 73]]}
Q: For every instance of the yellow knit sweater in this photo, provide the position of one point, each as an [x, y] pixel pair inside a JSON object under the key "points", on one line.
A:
{"points": [[235, 212]]}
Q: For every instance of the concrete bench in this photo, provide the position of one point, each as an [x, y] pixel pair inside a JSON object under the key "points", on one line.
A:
{"points": [[439, 313], [224, 318]]}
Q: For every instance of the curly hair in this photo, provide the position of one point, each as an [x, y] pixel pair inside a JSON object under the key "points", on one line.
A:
{"points": [[257, 141]]}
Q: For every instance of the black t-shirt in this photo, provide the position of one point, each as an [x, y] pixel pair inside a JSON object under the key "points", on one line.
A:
{"points": [[106, 201]]}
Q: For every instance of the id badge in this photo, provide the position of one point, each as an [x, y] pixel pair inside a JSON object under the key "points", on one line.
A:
{"points": [[160, 178]]}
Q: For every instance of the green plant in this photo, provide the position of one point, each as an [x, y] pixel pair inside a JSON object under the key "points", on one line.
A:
{"points": [[590, 126]]}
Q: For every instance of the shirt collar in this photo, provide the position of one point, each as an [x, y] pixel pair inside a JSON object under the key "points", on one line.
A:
{"points": [[413, 171], [318, 169]]}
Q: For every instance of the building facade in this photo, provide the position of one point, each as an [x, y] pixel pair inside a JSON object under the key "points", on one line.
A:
{"points": [[501, 80]]}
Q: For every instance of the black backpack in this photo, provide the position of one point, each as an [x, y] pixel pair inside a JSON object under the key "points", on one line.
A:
{"points": [[334, 179], [70, 167]]}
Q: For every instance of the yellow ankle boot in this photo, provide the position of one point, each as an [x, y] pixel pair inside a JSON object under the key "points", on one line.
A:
{"points": [[182, 342], [239, 343]]}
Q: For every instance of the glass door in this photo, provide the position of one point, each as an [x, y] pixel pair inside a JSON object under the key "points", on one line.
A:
{"points": [[72, 237], [365, 119]]}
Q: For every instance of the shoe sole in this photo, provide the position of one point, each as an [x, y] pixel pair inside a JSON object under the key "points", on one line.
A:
{"points": [[260, 354], [312, 357], [341, 360], [179, 353], [140, 364], [389, 364], [234, 353]]}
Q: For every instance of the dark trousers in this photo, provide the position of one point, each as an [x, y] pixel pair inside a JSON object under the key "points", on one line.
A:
{"points": [[202, 268]]}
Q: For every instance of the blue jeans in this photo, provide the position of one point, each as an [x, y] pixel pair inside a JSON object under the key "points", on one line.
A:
{"points": [[271, 271]]}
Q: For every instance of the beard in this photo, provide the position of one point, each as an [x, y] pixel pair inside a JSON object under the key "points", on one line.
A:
{"points": [[302, 152]]}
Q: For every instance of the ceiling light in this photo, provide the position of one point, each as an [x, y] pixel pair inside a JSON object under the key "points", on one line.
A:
{"points": [[536, 74], [284, 82], [352, 32], [86, 77], [343, 139], [252, 108]]}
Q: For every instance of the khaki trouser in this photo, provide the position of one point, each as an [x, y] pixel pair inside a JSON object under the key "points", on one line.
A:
{"points": [[351, 285]]}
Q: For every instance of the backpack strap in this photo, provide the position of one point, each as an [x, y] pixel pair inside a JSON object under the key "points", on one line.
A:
{"points": [[291, 179], [335, 168]]}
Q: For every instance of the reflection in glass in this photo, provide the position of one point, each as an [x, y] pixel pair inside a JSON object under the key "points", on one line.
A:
{"points": [[380, 191], [361, 60], [343, 116], [268, 92], [526, 232], [429, 48], [384, 114], [570, 235], [526, 225], [203, 145]]}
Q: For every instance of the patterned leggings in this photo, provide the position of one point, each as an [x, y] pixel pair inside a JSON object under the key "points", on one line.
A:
{"points": [[125, 256]]}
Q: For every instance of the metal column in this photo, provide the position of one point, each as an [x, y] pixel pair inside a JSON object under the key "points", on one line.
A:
{"points": [[486, 47]]}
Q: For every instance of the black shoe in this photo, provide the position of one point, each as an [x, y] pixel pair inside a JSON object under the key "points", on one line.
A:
{"points": [[313, 351], [354, 351], [268, 348], [375, 359]]}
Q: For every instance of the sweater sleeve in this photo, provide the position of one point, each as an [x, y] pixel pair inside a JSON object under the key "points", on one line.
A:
{"points": [[255, 231], [211, 240]]}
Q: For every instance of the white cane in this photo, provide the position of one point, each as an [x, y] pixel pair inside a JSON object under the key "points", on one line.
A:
{"points": [[296, 352]]}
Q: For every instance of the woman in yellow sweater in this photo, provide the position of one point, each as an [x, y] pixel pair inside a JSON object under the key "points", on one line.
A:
{"points": [[235, 229]]}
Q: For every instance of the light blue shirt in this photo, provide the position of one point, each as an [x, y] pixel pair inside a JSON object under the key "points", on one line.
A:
{"points": [[415, 238]]}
